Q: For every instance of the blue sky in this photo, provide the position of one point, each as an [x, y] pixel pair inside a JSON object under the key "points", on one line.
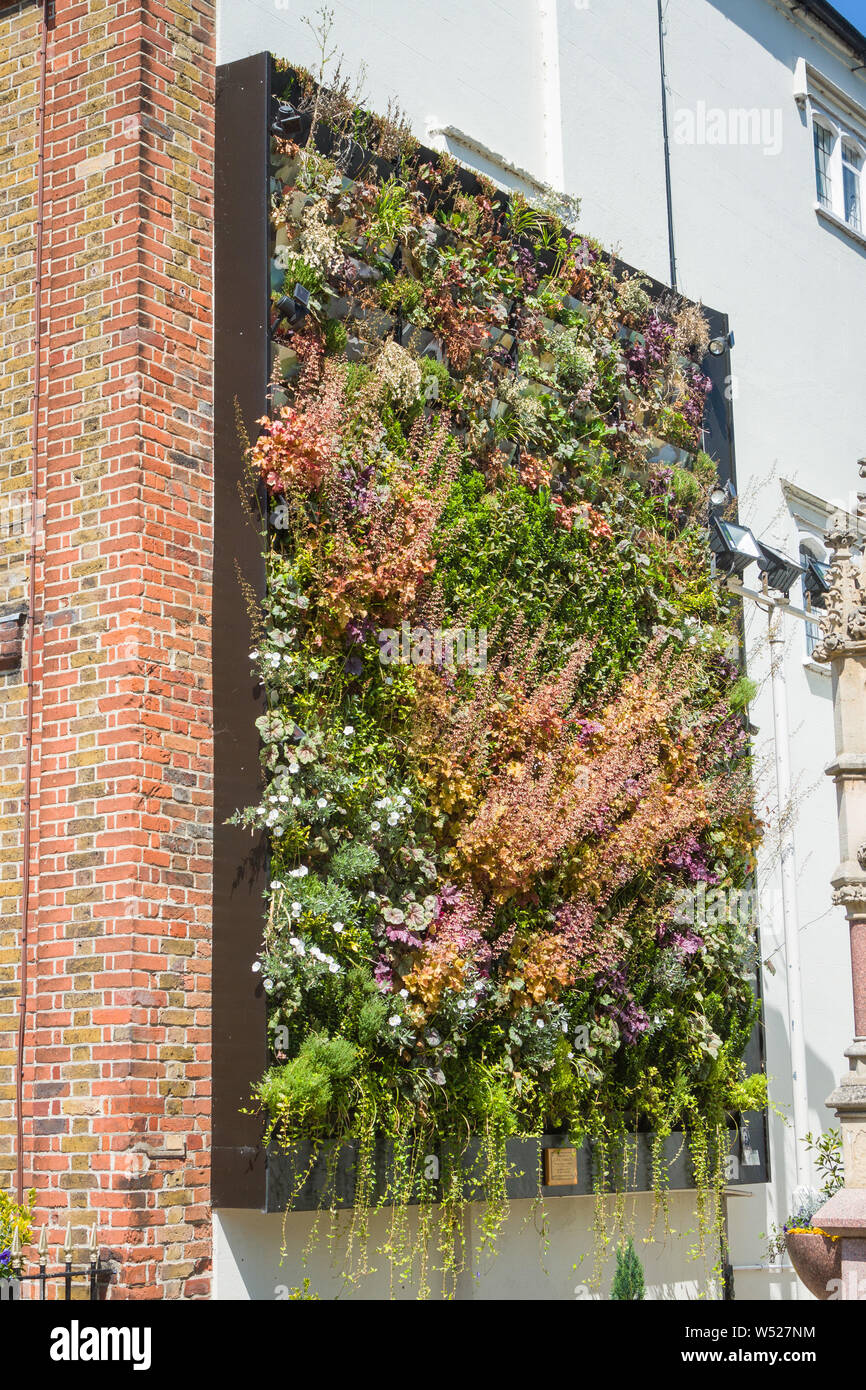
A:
{"points": [[853, 10]]}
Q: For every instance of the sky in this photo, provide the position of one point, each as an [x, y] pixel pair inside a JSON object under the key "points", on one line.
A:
{"points": [[853, 10]]}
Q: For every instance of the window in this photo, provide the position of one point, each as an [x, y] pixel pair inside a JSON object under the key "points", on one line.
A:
{"points": [[838, 166], [814, 584], [838, 125], [852, 161], [823, 153]]}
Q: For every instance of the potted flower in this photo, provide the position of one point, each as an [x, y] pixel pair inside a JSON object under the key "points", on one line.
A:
{"points": [[16, 1220], [815, 1255]]}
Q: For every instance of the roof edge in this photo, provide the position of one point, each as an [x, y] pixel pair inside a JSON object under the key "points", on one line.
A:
{"points": [[841, 28]]}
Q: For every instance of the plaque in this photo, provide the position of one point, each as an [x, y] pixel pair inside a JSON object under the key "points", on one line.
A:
{"points": [[560, 1167]]}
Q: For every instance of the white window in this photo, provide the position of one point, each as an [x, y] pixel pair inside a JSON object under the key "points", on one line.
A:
{"points": [[838, 130], [824, 140], [852, 163], [813, 558]]}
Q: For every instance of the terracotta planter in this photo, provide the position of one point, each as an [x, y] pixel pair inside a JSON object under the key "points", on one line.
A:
{"points": [[817, 1260]]}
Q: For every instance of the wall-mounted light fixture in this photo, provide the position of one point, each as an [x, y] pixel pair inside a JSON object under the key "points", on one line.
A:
{"points": [[287, 121], [722, 496], [734, 547], [781, 572], [719, 346], [291, 308], [816, 581]]}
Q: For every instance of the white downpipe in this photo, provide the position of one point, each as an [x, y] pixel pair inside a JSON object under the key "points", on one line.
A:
{"points": [[789, 895], [554, 166]]}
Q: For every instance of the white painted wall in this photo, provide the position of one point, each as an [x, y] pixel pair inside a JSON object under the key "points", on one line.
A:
{"points": [[247, 1256], [748, 242]]}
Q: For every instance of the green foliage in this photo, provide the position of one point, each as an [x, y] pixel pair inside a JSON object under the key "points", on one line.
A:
{"points": [[471, 928], [313, 1085], [15, 1219], [628, 1281]]}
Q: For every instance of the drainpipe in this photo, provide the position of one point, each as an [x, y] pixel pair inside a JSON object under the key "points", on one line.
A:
{"points": [[667, 148], [31, 597], [789, 893], [554, 166]]}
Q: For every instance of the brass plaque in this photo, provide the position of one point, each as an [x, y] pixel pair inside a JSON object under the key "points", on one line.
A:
{"points": [[560, 1167]]}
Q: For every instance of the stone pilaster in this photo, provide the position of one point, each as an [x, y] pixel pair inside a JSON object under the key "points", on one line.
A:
{"points": [[843, 645]]}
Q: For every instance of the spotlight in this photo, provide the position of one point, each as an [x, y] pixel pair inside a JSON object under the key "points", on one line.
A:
{"points": [[781, 572], [719, 346], [291, 308], [816, 581], [287, 121], [721, 496], [734, 547]]}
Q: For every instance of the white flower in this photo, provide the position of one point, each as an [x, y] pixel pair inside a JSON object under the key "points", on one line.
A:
{"points": [[348, 731], [395, 1020], [257, 965], [268, 984], [296, 909], [275, 883], [294, 767], [404, 994], [339, 927], [461, 1003], [334, 968], [405, 791], [393, 819], [371, 894], [296, 801], [314, 675], [539, 1023], [300, 872], [254, 655], [375, 825], [322, 802]]}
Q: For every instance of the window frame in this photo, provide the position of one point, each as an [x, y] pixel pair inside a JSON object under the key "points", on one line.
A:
{"points": [[811, 545], [828, 109]]}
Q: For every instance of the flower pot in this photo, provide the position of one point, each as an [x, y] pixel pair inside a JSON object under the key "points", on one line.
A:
{"points": [[817, 1259]]}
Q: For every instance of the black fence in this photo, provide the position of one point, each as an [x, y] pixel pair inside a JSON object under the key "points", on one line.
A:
{"points": [[66, 1280]]}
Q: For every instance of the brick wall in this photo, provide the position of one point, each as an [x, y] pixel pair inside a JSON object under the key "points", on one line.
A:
{"points": [[117, 1063], [19, 72]]}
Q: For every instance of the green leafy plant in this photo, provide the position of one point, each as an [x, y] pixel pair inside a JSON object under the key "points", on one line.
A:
{"points": [[16, 1219], [628, 1281]]}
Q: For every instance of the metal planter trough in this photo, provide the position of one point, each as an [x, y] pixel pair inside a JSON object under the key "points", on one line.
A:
{"points": [[292, 1178]]}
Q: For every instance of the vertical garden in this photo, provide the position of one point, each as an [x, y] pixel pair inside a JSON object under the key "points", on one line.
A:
{"points": [[506, 767]]}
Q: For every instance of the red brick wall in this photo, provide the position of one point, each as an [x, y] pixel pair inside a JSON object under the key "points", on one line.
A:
{"points": [[117, 1074]]}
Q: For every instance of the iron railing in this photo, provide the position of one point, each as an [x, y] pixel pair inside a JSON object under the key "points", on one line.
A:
{"points": [[66, 1280]]}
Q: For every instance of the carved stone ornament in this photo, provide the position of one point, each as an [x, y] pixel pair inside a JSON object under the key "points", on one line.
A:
{"points": [[861, 856], [843, 622], [850, 894]]}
